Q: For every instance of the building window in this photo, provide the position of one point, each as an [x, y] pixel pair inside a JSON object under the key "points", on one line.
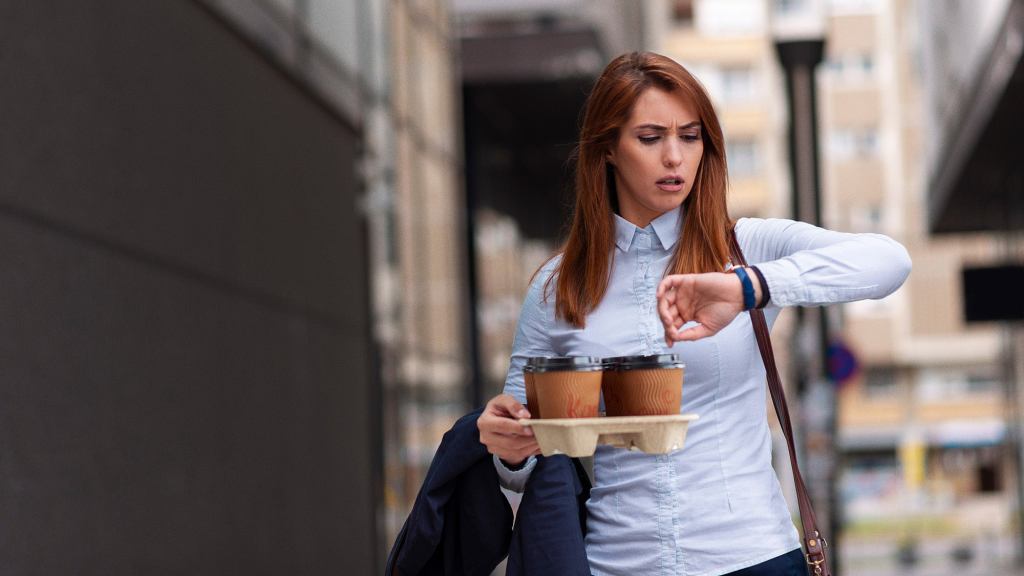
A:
{"points": [[854, 6], [845, 144], [733, 18], [989, 477], [950, 384], [742, 155], [682, 12], [982, 383], [866, 218], [789, 6], [850, 68], [737, 84], [880, 382]]}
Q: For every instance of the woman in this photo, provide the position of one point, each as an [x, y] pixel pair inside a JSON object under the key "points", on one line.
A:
{"points": [[650, 231]]}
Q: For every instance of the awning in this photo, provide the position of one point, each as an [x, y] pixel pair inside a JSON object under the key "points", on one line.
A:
{"points": [[978, 183], [553, 54]]}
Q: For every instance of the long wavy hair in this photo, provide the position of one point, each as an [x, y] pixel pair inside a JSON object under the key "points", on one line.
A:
{"points": [[581, 277]]}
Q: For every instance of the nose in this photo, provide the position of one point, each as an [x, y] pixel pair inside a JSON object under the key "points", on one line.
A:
{"points": [[672, 153]]}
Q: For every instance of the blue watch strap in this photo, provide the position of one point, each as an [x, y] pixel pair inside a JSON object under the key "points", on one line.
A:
{"points": [[748, 288], [766, 293]]}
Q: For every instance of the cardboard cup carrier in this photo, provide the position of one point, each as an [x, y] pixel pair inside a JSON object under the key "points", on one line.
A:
{"points": [[642, 399]]}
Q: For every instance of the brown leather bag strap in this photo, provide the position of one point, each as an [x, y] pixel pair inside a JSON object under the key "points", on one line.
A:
{"points": [[814, 543]]}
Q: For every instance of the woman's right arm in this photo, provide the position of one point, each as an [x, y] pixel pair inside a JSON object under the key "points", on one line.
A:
{"points": [[512, 444]]}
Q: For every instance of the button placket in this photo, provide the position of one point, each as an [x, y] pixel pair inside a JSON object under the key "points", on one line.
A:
{"points": [[642, 289]]}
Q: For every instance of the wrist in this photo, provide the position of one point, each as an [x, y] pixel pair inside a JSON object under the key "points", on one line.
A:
{"points": [[513, 467], [762, 294], [748, 291]]}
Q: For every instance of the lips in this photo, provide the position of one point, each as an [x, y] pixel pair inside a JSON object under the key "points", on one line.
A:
{"points": [[670, 183]]}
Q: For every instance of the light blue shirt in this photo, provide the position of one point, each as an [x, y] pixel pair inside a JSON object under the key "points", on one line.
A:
{"points": [[715, 506]]}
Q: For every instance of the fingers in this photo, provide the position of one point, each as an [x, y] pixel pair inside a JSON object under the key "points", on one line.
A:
{"points": [[515, 452], [501, 416], [668, 283], [511, 448], [667, 310], [506, 406], [501, 432], [694, 333], [504, 426]]}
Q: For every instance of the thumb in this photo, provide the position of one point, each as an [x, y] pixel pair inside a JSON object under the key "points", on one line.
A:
{"points": [[694, 333], [510, 406]]}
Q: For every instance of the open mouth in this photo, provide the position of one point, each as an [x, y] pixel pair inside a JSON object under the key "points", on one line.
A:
{"points": [[670, 181]]}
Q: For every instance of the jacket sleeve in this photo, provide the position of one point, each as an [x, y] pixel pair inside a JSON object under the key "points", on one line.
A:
{"points": [[804, 265], [460, 523]]}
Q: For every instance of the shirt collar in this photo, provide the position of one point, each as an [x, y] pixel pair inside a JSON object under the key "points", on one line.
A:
{"points": [[666, 229]]}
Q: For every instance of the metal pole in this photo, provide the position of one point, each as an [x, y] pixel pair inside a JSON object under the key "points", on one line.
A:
{"points": [[799, 59]]}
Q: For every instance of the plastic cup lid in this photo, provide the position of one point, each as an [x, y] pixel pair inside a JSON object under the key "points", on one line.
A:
{"points": [[643, 362], [564, 364]]}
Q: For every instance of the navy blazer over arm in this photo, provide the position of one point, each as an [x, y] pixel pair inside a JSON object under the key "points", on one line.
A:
{"points": [[461, 522]]}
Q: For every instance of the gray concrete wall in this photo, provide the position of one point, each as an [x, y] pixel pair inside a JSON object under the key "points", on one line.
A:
{"points": [[184, 364]]}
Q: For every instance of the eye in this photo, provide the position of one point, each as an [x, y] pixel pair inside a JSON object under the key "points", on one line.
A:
{"points": [[691, 137], [648, 139]]}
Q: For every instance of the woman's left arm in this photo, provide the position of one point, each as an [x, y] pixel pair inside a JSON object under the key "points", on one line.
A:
{"points": [[802, 265]]}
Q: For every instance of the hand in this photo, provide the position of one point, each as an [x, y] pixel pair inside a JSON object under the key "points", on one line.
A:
{"points": [[712, 299], [502, 434]]}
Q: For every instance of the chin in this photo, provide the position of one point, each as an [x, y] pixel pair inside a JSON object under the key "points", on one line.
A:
{"points": [[673, 204]]}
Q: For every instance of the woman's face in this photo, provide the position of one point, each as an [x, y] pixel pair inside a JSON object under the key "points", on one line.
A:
{"points": [[656, 156]]}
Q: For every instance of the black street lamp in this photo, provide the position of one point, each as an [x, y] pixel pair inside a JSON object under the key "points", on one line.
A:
{"points": [[799, 58]]}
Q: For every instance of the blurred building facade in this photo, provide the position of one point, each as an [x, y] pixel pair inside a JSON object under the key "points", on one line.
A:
{"points": [[391, 67], [188, 384], [973, 71], [235, 299], [923, 425], [418, 216]]}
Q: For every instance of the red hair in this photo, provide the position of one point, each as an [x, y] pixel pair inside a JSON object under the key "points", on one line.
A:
{"points": [[582, 275]]}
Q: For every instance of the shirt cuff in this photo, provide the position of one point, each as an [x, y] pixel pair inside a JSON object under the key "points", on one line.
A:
{"points": [[514, 480], [783, 281]]}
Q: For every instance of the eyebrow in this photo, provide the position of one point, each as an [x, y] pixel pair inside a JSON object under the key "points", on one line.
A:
{"points": [[660, 128]]}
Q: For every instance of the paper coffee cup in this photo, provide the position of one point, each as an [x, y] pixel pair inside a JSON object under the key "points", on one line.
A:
{"points": [[531, 391], [643, 385], [609, 387], [567, 387]]}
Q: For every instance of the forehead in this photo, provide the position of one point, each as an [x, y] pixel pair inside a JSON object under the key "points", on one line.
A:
{"points": [[656, 106]]}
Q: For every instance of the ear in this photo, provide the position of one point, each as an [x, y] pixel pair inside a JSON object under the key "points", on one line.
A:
{"points": [[609, 157]]}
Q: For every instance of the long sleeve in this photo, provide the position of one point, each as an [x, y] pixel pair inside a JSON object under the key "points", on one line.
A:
{"points": [[533, 338], [804, 265], [533, 331]]}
